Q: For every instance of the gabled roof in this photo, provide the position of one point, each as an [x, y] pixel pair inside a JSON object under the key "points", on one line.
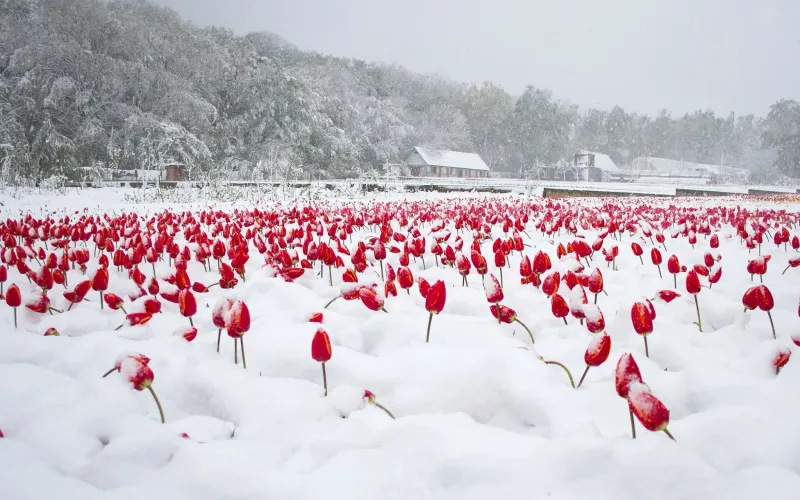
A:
{"points": [[674, 166], [601, 161], [452, 159]]}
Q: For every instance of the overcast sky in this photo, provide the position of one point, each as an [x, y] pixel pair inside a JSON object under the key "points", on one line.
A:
{"points": [[727, 55]]}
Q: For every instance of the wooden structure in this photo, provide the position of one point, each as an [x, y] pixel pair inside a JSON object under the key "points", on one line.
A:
{"points": [[425, 162]]}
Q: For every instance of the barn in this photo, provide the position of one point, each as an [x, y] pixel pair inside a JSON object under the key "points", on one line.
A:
{"points": [[594, 167], [425, 162]]}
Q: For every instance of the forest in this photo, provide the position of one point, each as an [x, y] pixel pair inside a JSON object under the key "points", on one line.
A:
{"points": [[93, 86]]}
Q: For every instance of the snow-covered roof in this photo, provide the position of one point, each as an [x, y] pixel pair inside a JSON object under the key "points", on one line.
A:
{"points": [[601, 161], [672, 166], [442, 158]]}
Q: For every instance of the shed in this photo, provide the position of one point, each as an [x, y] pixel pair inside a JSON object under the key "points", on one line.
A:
{"points": [[425, 162], [593, 166]]}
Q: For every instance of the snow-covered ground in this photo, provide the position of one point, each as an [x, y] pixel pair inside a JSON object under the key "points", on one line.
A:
{"points": [[478, 415]]}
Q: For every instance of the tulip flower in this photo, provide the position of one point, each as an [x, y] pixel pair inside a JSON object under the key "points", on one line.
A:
{"points": [[758, 266], [596, 354], [315, 318], [152, 306], [627, 373], [135, 319], [370, 397], [379, 251], [551, 283], [714, 275], [693, 287], [463, 265], [370, 298], [405, 279], [760, 296], [655, 256], [136, 370], [781, 358], [649, 410], [595, 321], [14, 300], [321, 353], [505, 314], [189, 333], [674, 268], [794, 262], [219, 315], [51, 332], [637, 251], [114, 302], [238, 323], [100, 283], [434, 304], [494, 291], [187, 304], [559, 307], [596, 283], [642, 322], [667, 295]]}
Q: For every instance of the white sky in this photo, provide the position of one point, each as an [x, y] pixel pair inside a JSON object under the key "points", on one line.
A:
{"points": [[683, 55]]}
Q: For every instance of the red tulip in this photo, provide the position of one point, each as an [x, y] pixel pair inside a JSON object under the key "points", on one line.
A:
{"points": [[493, 290], [507, 315], [219, 316], [667, 295], [237, 324], [655, 256], [350, 276], [434, 303], [637, 251], [595, 321], [321, 352], [642, 322], [370, 397], [794, 262], [626, 374], [781, 358], [650, 412], [596, 353], [596, 283], [187, 304], [51, 332], [405, 279], [551, 283], [137, 371], [100, 283], [189, 333], [760, 296], [714, 241], [137, 318], [674, 267], [715, 273], [152, 306], [559, 307], [14, 300], [114, 302], [315, 318], [371, 299]]}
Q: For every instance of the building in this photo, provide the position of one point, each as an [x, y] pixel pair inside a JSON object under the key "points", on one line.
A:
{"points": [[425, 162], [648, 166], [594, 167]]}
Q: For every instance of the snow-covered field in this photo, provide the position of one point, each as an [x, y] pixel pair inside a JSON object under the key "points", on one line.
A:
{"points": [[477, 413]]}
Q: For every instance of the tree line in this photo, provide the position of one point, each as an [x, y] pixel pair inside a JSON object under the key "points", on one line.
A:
{"points": [[90, 85]]}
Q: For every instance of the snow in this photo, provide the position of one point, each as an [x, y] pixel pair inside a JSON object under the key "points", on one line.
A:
{"points": [[452, 159], [478, 415]]}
